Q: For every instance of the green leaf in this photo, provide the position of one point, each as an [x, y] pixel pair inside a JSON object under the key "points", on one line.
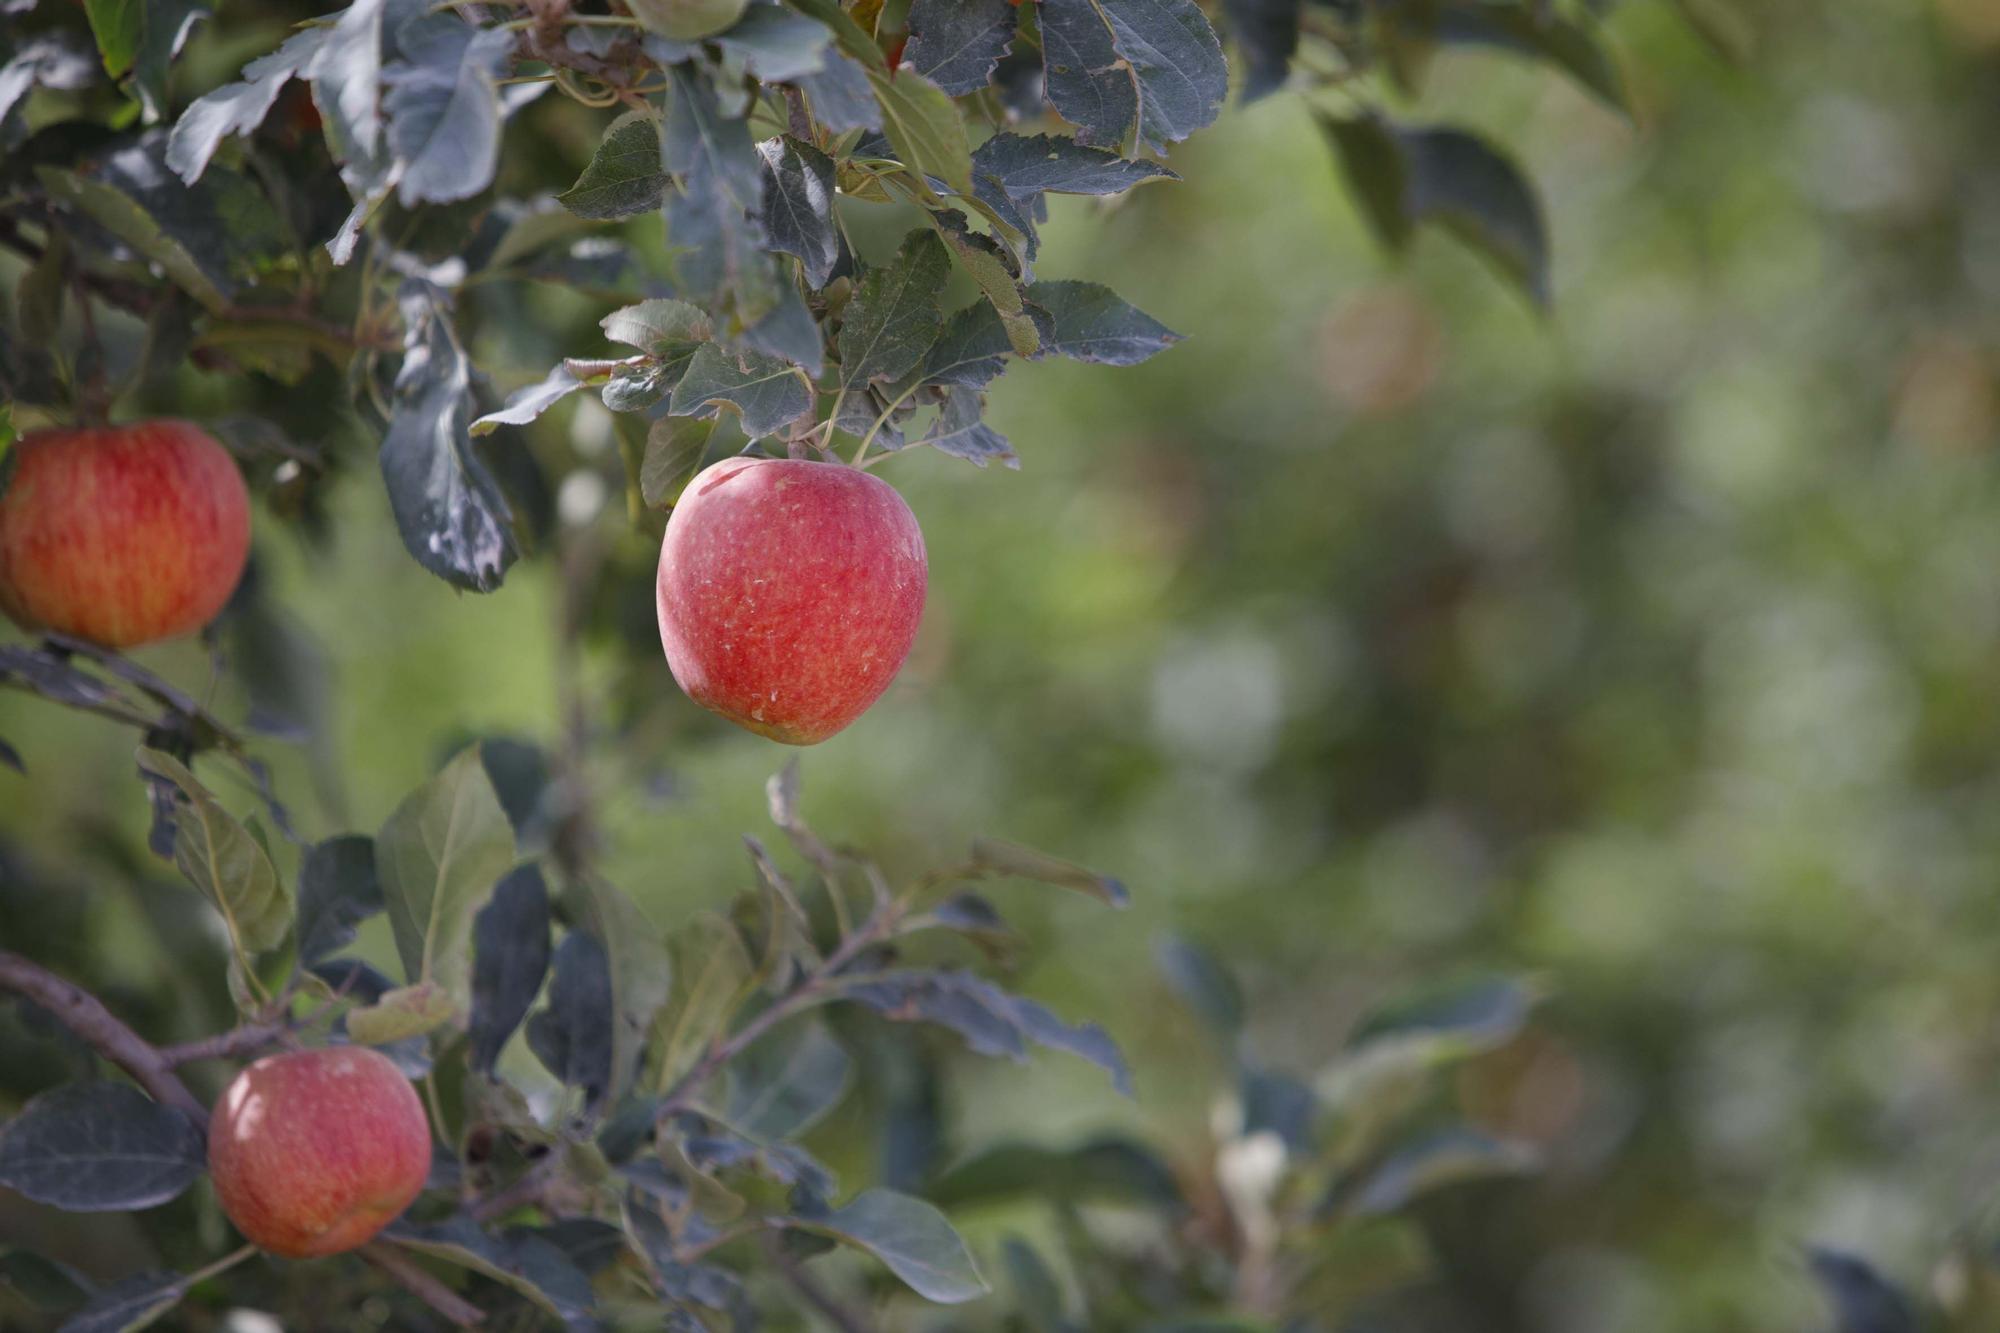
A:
{"points": [[346, 75], [798, 205], [1111, 1168], [997, 857], [992, 1021], [129, 1304], [527, 403], [1372, 162], [924, 126], [711, 968], [169, 23], [39, 296], [407, 1011], [675, 447], [119, 26], [1863, 1299], [443, 103], [841, 96], [1026, 166], [1568, 46], [449, 510], [42, 1283], [337, 892], [712, 218], [957, 43], [684, 20], [893, 318], [1035, 1287], [521, 1257], [1092, 323], [237, 108], [118, 214], [960, 430], [100, 1147], [1088, 82], [1406, 176], [1461, 181], [10, 457], [510, 956], [912, 1238], [775, 44], [996, 273], [572, 1034], [768, 393], [439, 856], [625, 175], [658, 327], [1201, 979], [52, 59], [220, 857], [1447, 1157], [788, 1082], [1267, 37], [1176, 61], [641, 970]]}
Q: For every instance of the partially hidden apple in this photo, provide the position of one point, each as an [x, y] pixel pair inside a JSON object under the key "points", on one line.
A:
{"points": [[122, 535], [313, 1152], [789, 593]]}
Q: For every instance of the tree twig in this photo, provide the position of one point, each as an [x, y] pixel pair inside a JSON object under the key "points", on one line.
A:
{"points": [[800, 997], [448, 1303], [225, 1045], [85, 1015]]}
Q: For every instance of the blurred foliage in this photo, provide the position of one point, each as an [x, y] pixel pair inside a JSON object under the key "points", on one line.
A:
{"points": [[1385, 628]]}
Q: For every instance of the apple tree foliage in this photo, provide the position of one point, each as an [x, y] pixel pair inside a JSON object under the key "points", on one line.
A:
{"points": [[623, 1113]]}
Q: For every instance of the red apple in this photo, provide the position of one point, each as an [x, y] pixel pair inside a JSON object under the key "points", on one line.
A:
{"points": [[313, 1152], [122, 535], [789, 593]]}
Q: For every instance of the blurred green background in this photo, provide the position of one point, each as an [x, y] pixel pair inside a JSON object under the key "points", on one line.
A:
{"points": [[1383, 630]]}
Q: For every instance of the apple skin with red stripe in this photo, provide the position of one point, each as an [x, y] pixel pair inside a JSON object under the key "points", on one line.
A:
{"points": [[122, 535], [314, 1152], [789, 593]]}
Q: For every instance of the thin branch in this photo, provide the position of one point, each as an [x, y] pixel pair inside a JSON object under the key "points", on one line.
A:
{"points": [[85, 1015], [230, 1045], [808, 1287], [803, 996], [448, 1303], [524, 1191]]}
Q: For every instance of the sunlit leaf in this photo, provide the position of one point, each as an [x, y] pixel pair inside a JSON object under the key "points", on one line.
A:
{"points": [[237, 108], [439, 856], [912, 1238], [218, 855], [449, 509]]}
